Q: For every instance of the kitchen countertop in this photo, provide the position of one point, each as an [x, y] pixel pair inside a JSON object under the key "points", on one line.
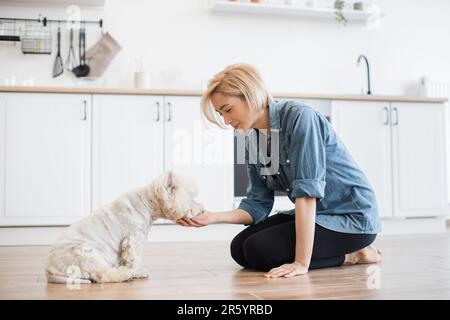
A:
{"points": [[177, 92]]}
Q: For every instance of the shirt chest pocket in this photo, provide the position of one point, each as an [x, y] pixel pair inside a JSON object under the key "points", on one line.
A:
{"points": [[284, 174], [284, 161], [280, 177]]}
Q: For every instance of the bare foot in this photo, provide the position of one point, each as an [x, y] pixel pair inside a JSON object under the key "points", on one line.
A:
{"points": [[369, 254]]}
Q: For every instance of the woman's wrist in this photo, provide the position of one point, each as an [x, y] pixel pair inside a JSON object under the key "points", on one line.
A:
{"points": [[215, 217], [301, 263], [237, 216]]}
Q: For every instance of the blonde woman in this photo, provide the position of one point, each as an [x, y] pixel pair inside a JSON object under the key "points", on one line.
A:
{"points": [[335, 219]]}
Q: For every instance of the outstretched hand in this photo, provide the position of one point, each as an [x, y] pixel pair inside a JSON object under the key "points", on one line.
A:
{"points": [[202, 220]]}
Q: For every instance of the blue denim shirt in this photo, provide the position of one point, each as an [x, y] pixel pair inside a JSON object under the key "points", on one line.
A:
{"points": [[312, 162]]}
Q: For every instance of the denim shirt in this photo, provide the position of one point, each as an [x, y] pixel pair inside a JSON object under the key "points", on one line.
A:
{"points": [[308, 160]]}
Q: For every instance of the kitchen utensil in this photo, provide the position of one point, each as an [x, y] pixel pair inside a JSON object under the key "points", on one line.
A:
{"points": [[71, 61], [82, 70], [58, 66]]}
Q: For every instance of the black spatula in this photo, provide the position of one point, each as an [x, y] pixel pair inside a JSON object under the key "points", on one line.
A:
{"points": [[58, 66]]}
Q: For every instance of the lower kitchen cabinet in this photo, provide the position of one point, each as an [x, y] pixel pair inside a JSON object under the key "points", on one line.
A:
{"points": [[63, 154], [127, 144], [402, 149], [45, 152], [200, 150], [136, 138]]}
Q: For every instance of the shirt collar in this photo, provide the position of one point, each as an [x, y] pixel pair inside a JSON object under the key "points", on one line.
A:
{"points": [[274, 115]]}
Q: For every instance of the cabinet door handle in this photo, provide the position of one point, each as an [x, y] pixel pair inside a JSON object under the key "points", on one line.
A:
{"points": [[394, 110], [83, 110], [386, 116], [169, 108], [157, 111]]}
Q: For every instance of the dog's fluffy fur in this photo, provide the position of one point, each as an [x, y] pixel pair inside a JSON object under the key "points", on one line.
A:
{"points": [[106, 246]]}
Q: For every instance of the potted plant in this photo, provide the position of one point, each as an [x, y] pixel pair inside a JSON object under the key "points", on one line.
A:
{"points": [[339, 6]]}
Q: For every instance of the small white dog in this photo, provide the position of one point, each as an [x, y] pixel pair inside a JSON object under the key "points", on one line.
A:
{"points": [[106, 246]]}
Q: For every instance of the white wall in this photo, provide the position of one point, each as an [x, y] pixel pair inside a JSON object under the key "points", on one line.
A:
{"points": [[183, 45]]}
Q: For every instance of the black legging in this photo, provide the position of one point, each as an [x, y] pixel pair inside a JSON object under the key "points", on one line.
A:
{"points": [[271, 243]]}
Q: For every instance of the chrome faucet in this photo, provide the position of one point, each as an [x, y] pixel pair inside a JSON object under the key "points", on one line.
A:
{"points": [[368, 71]]}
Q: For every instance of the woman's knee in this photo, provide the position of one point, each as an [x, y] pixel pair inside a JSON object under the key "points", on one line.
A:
{"points": [[256, 254], [371, 239], [236, 250]]}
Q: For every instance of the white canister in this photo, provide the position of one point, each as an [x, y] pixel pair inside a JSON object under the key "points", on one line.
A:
{"points": [[141, 80]]}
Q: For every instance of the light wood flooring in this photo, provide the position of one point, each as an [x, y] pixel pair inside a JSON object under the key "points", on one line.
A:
{"points": [[413, 267]]}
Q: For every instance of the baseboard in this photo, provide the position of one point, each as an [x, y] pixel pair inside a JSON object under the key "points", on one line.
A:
{"points": [[26, 236], [414, 226]]}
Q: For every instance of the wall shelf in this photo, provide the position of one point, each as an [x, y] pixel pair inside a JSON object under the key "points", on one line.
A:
{"points": [[55, 3], [284, 10]]}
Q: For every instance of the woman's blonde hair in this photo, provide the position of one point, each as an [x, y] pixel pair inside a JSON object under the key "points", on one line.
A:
{"points": [[238, 80]]}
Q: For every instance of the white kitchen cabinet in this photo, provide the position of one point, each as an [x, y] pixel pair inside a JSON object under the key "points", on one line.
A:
{"points": [[2, 153], [127, 144], [321, 105], [136, 138], [54, 170], [365, 130], [401, 147], [419, 159], [200, 150], [45, 146]]}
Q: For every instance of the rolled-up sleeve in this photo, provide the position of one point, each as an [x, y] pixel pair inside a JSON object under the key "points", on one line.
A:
{"points": [[308, 148], [259, 200]]}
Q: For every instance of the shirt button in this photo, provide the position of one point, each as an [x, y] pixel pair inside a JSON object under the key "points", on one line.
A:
{"points": [[287, 161], [278, 173], [287, 189], [264, 177]]}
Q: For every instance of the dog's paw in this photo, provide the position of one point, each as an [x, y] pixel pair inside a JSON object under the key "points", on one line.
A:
{"points": [[140, 273]]}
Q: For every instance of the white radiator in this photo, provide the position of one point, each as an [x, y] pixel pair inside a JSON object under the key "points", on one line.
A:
{"points": [[434, 88]]}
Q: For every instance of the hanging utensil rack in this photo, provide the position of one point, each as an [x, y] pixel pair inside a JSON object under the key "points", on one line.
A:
{"points": [[10, 33], [44, 21]]}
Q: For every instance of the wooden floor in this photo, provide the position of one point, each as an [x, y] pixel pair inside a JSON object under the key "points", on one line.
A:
{"points": [[414, 267]]}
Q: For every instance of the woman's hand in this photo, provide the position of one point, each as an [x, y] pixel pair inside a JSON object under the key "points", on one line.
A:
{"points": [[202, 220], [287, 270]]}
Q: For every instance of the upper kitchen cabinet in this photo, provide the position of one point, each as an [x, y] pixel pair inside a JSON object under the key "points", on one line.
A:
{"points": [[127, 144], [402, 149], [199, 150], [45, 146]]}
